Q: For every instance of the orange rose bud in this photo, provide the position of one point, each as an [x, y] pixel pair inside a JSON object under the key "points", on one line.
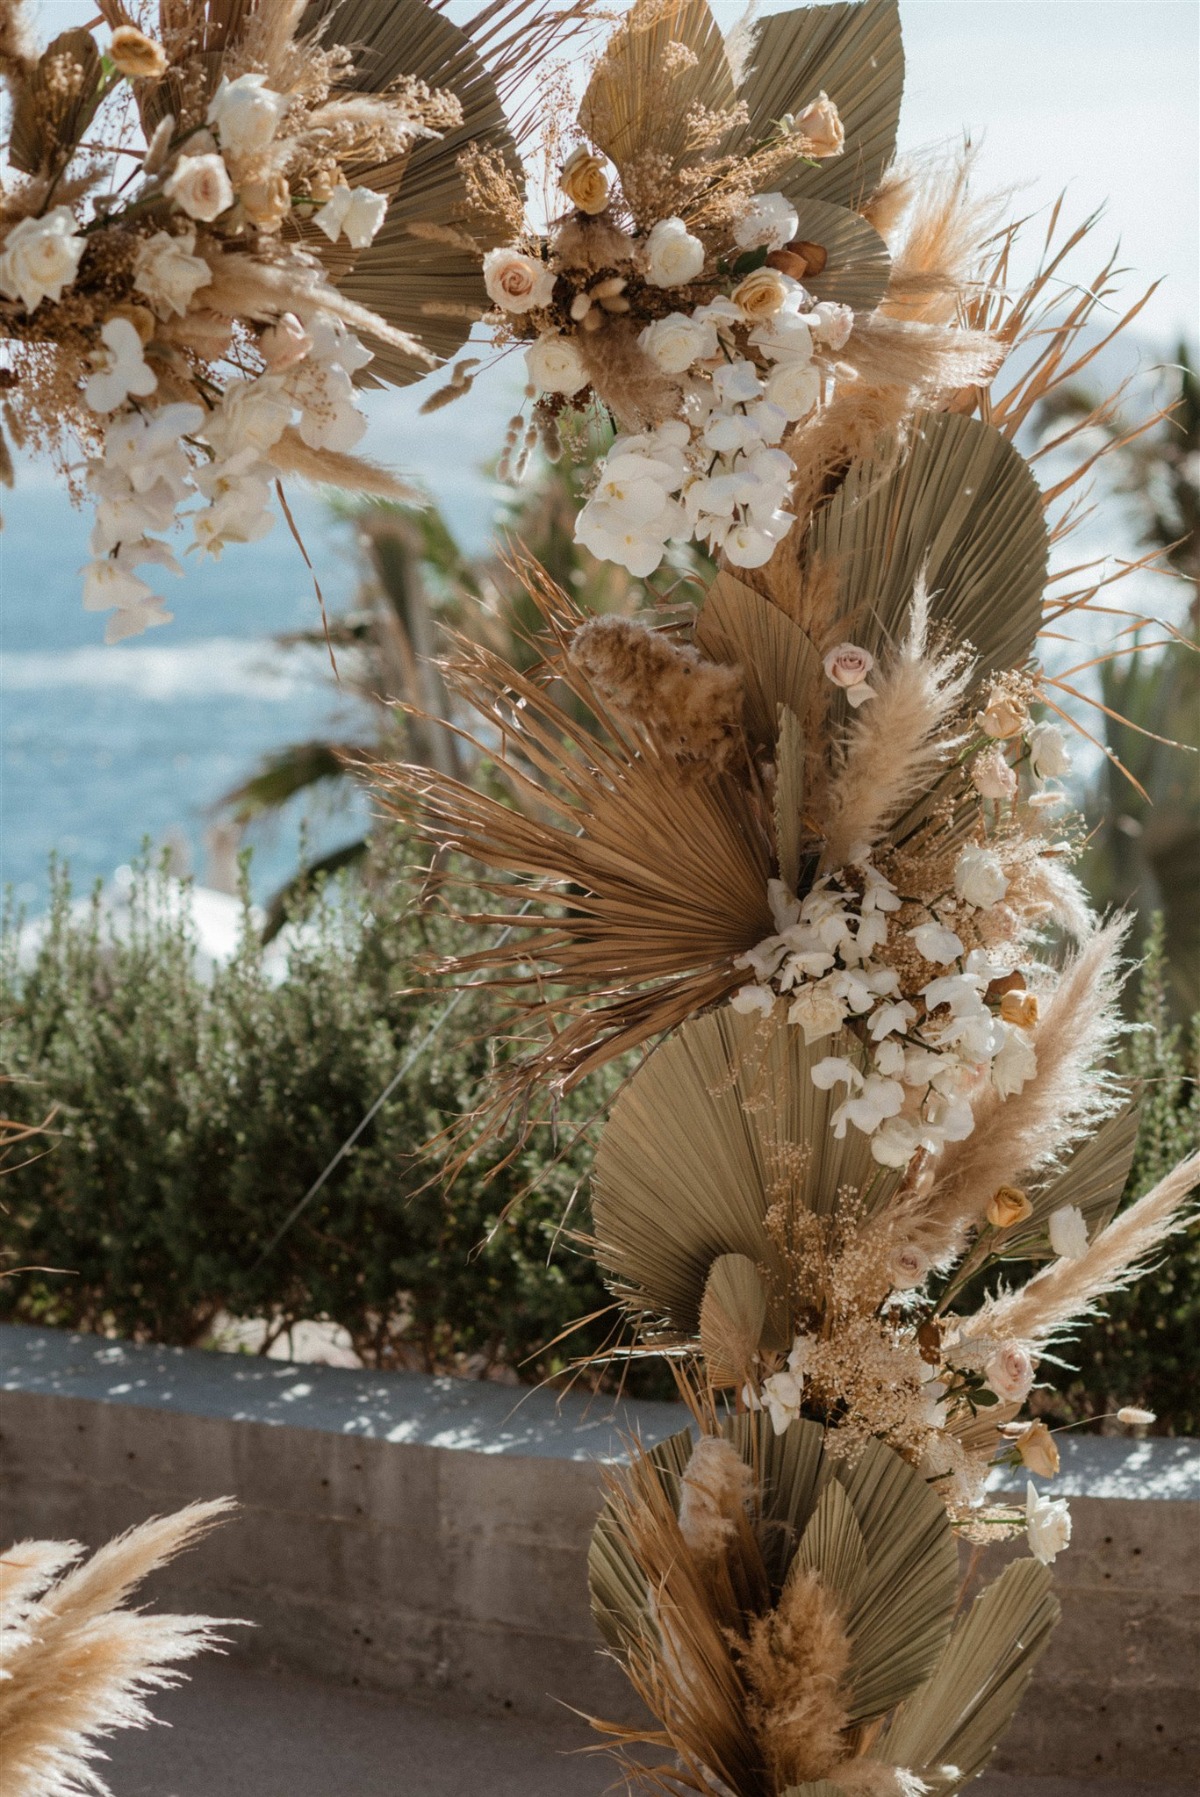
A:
{"points": [[1020, 1008], [787, 262], [1009, 1205]]}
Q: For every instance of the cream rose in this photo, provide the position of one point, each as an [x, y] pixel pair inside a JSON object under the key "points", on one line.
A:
{"points": [[760, 295], [832, 323], [284, 343], [167, 272], [795, 387], [246, 114], [41, 257], [135, 55], [1009, 1373], [769, 222], [585, 182], [1049, 756], [979, 879], [516, 282], [268, 202], [821, 127], [675, 342], [200, 186], [556, 366], [1020, 1007], [1008, 1205], [673, 257], [848, 666], [991, 775], [1047, 1524], [1002, 717]]}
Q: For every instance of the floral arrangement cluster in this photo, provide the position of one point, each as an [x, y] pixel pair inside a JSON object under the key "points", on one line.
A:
{"points": [[835, 773], [171, 324]]}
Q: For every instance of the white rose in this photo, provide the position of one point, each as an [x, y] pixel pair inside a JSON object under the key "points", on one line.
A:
{"points": [[516, 282], [41, 257], [817, 1012], [820, 124], [769, 221], [556, 366], [1009, 1373], [673, 257], [795, 387], [991, 775], [200, 186], [675, 342], [1047, 1524], [246, 114], [1068, 1232], [979, 879], [1048, 753], [168, 273]]}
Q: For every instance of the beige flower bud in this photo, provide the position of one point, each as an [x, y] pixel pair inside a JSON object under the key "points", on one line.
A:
{"points": [[760, 295], [585, 182], [821, 128], [135, 55], [1002, 717], [1020, 1008], [1038, 1450], [267, 203], [1009, 1205]]}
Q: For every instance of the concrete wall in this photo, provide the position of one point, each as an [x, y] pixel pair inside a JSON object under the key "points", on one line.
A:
{"points": [[429, 1536]]}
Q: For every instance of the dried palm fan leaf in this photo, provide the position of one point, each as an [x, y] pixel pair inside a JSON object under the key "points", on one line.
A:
{"points": [[75, 1663], [956, 1719], [961, 506], [780, 664], [720, 1124], [733, 1315], [55, 102], [856, 268], [623, 110], [852, 52], [1092, 1180]]}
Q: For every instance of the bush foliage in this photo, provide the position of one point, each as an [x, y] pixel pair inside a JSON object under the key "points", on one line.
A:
{"points": [[192, 1117]]}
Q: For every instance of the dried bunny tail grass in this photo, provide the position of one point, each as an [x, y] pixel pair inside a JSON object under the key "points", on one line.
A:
{"points": [[334, 468], [941, 243], [76, 1664], [1037, 1125], [692, 708], [1068, 1290], [794, 1661], [930, 361], [897, 743], [715, 1490]]}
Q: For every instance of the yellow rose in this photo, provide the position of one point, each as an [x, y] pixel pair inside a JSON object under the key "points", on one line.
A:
{"points": [[584, 181], [136, 55], [1020, 1008], [760, 295], [266, 203], [1008, 1206]]}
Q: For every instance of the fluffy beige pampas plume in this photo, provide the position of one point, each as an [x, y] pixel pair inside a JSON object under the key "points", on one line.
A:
{"points": [[690, 707], [939, 238], [793, 1662], [1037, 1125], [74, 1663], [897, 742], [715, 1490], [1068, 1289]]}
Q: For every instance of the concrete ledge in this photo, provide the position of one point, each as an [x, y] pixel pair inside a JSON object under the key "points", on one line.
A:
{"points": [[429, 1536]]}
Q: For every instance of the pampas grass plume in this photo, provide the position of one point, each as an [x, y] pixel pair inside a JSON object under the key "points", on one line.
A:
{"points": [[75, 1664], [716, 1487], [793, 1662]]}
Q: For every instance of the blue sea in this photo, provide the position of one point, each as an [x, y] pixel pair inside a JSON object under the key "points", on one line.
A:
{"points": [[102, 748]]}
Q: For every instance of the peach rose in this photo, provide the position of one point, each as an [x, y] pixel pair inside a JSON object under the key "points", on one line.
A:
{"points": [[585, 182], [1020, 1008], [1008, 1205], [135, 55], [516, 282], [821, 127], [848, 666]]}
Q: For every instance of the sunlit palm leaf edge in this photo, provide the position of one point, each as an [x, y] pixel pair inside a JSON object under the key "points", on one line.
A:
{"points": [[631, 890], [886, 1552]]}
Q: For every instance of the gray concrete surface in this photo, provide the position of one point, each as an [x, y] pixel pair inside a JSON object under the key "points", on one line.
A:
{"points": [[428, 1538], [233, 1732]]}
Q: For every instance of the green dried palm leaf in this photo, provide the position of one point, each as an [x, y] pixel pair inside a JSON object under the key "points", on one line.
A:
{"points": [[833, 1545], [859, 266], [959, 1715], [789, 796], [733, 1314], [56, 104], [638, 101], [1092, 1180], [402, 275], [616, 1587], [854, 53], [961, 505], [721, 1122], [738, 626]]}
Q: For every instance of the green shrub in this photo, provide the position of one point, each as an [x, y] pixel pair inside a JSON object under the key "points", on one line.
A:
{"points": [[192, 1117]]}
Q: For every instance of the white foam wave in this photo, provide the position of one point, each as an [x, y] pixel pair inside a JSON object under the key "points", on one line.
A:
{"points": [[216, 667]]}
